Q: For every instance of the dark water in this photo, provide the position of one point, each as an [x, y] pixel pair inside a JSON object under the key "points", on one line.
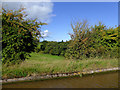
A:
{"points": [[106, 80]]}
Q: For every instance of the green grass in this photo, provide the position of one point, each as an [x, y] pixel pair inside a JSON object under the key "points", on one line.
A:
{"points": [[41, 64]]}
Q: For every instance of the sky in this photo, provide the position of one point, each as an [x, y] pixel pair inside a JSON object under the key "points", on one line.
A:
{"points": [[59, 15]]}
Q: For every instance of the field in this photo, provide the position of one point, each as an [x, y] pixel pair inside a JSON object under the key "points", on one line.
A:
{"points": [[41, 64]]}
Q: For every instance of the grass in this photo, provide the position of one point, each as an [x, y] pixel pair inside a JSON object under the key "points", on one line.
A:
{"points": [[41, 64]]}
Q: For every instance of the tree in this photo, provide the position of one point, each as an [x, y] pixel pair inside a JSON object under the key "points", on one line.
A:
{"points": [[78, 42], [97, 41], [20, 36]]}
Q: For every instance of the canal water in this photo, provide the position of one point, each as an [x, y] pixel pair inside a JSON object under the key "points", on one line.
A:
{"points": [[104, 80]]}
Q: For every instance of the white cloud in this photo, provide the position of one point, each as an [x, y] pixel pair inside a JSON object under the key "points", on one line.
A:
{"points": [[61, 0], [44, 33], [61, 40], [40, 10]]}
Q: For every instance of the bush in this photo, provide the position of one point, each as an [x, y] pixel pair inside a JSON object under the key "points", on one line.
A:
{"points": [[20, 36], [97, 41]]}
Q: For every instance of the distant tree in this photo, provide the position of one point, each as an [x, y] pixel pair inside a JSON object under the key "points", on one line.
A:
{"points": [[53, 48]]}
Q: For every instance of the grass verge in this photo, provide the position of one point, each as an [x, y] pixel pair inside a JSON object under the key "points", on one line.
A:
{"points": [[42, 64]]}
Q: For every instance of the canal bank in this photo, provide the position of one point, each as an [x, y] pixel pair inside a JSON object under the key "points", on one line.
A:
{"points": [[57, 75]]}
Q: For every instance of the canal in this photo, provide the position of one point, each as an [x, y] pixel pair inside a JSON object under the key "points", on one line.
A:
{"points": [[101, 80]]}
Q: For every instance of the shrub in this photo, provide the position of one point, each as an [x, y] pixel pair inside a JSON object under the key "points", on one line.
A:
{"points": [[97, 41], [20, 36]]}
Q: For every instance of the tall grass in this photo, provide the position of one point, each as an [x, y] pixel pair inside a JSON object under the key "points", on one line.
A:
{"points": [[41, 64]]}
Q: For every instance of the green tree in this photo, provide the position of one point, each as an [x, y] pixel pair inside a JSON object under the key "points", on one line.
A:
{"points": [[20, 36], [95, 41], [78, 42]]}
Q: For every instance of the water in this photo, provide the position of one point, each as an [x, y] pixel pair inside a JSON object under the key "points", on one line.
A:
{"points": [[106, 80]]}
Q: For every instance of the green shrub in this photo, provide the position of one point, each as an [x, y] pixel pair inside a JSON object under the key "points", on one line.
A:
{"points": [[97, 41], [19, 36]]}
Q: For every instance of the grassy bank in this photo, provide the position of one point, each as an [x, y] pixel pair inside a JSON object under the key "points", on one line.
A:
{"points": [[41, 64]]}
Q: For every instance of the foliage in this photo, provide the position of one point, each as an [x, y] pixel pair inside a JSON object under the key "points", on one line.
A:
{"points": [[53, 48], [0, 36], [78, 41], [97, 41], [20, 36]]}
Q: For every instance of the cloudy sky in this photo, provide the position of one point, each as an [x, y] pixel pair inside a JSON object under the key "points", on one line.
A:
{"points": [[41, 10], [59, 15]]}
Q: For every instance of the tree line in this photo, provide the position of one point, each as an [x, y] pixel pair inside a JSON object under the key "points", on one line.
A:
{"points": [[93, 41], [52, 47], [86, 42]]}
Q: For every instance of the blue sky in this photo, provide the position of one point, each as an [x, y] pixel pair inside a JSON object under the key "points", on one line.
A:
{"points": [[65, 12], [59, 15]]}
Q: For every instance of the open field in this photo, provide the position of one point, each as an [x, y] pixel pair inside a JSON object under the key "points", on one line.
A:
{"points": [[41, 64]]}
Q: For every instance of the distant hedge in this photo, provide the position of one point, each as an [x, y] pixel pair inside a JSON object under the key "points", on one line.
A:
{"points": [[52, 47]]}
